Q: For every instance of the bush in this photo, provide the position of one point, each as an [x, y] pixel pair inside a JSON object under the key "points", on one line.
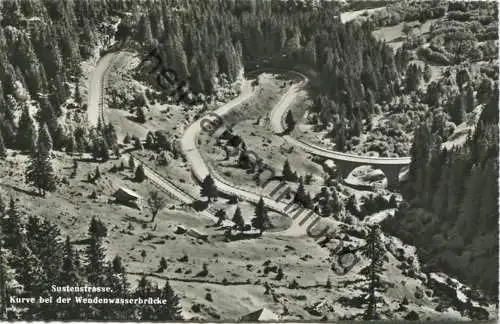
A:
{"points": [[434, 57], [293, 285], [163, 264]]}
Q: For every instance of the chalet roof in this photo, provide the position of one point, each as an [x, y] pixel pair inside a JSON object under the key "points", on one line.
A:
{"points": [[263, 314], [124, 193]]}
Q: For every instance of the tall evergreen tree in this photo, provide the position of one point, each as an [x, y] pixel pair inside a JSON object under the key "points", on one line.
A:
{"points": [[469, 98], [374, 250], [12, 227], [3, 151], [139, 173], [39, 171], [238, 220], [300, 194], [44, 137], [95, 258], [288, 174], [26, 138], [289, 120], [131, 163], [172, 310], [140, 116], [261, 219], [69, 274]]}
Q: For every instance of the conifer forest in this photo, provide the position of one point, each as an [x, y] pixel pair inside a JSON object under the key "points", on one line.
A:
{"points": [[248, 160]]}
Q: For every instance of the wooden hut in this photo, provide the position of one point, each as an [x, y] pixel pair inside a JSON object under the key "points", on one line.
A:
{"points": [[126, 196]]}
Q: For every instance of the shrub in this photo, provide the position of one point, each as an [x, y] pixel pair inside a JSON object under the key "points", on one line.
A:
{"points": [[293, 284], [163, 264]]}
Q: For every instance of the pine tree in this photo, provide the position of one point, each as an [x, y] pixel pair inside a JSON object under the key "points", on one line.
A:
{"points": [[3, 151], [126, 139], [44, 137], [300, 194], [427, 73], [356, 127], [40, 171], [289, 120], [71, 145], [374, 250], [140, 176], [117, 276], [131, 163], [97, 173], [30, 273], [145, 288], [150, 141], [208, 188], [12, 227], [484, 91], [469, 98], [462, 76], [457, 109], [140, 116], [288, 175], [78, 96], [69, 274], [340, 138], [26, 138], [97, 228], [42, 239], [261, 219], [238, 220], [95, 257], [163, 264], [308, 201], [172, 310], [5, 279]]}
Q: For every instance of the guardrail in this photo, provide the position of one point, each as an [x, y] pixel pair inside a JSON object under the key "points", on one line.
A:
{"points": [[340, 155], [103, 88], [168, 181]]}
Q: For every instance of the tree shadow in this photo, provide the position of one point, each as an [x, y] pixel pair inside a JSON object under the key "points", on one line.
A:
{"points": [[136, 220], [129, 204], [244, 236], [87, 160], [84, 241], [134, 119], [91, 181], [287, 131], [32, 193]]}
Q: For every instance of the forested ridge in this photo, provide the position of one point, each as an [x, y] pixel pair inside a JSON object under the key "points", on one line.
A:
{"points": [[201, 40], [453, 203], [42, 44]]}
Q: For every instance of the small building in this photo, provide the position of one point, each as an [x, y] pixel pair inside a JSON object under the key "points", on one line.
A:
{"points": [[127, 197], [197, 234], [260, 315]]}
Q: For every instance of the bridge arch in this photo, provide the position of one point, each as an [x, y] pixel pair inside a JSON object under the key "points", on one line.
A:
{"points": [[391, 171]]}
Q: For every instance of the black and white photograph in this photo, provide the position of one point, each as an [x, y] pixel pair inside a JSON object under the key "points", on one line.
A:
{"points": [[249, 161]]}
